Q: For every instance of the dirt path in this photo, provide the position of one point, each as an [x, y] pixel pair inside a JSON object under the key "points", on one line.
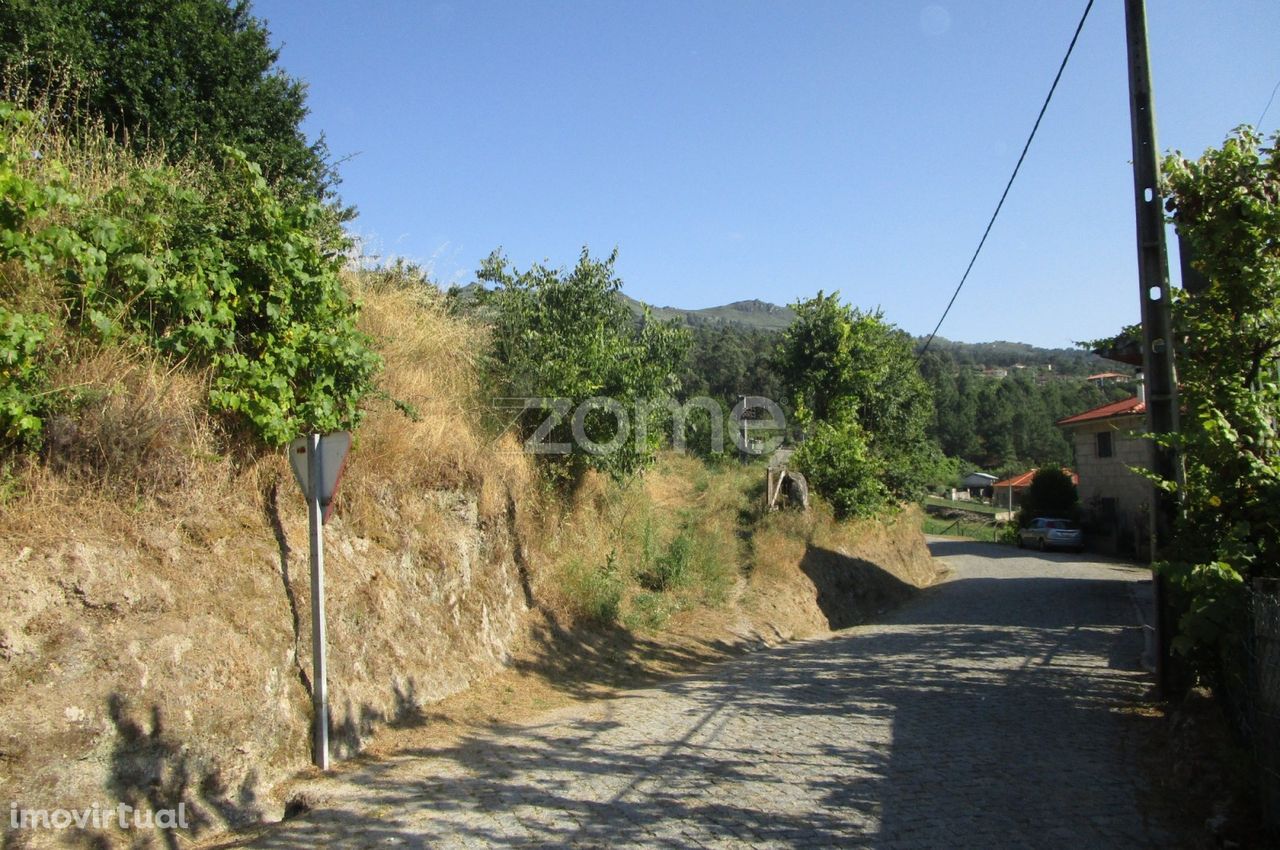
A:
{"points": [[986, 712]]}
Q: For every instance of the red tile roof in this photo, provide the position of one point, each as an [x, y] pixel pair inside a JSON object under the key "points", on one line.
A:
{"points": [[1124, 407], [1019, 482]]}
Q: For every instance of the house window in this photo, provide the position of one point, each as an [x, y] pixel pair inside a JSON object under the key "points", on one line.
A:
{"points": [[1104, 444]]}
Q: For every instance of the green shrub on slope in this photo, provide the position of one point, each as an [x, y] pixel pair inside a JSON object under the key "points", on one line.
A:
{"points": [[218, 273]]}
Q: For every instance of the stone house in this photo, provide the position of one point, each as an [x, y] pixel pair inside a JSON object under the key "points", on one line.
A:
{"points": [[1116, 501]]}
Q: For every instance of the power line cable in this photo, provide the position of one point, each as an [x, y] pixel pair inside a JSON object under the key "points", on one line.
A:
{"points": [[1258, 124], [1012, 177]]}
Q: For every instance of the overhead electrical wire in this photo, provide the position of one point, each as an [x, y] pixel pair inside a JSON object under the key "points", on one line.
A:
{"points": [[1257, 125], [1012, 177]]}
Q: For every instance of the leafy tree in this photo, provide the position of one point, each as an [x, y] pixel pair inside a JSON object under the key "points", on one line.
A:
{"points": [[1227, 206], [567, 336], [840, 464], [1052, 494], [857, 375], [189, 75], [838, 361]]}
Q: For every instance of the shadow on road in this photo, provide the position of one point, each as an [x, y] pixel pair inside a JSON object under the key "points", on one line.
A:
{"points": [[851, 590], [984, 710]]}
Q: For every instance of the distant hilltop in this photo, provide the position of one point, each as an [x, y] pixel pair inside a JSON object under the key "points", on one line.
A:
{"points": [[752, 313], [756, 315]]}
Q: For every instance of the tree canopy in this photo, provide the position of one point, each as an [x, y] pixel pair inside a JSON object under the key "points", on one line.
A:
{"points": [[1052, 494], [187, 75], [559, 335], [1226, 205], [855, 385]]}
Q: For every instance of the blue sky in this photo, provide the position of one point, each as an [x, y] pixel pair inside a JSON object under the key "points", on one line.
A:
{"points": [[735, 150]]}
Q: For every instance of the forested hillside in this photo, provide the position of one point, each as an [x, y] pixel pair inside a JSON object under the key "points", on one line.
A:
{"points": [[1004, 355], [994, 403], [1007, 423]]}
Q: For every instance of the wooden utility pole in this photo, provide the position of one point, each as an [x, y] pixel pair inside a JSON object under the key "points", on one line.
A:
{"points": [[1157, 331]]}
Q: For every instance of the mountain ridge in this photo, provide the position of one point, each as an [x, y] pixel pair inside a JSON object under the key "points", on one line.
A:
{"points": [[754, 314]]}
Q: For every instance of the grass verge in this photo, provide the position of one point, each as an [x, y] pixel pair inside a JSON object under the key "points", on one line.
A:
{"points": [[985, 532]]}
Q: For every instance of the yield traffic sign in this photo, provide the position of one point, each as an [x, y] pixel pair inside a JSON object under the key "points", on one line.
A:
{"points": [[333, 457]]}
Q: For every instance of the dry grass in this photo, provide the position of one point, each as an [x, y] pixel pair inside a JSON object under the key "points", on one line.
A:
{"points": [[639, 552], [131, 448], [61, 134], [131, 423], [126, 423], [431, 366], [133, 439]]}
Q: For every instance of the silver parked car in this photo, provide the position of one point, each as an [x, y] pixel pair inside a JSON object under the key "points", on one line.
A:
{"points": [[1046, 532]]}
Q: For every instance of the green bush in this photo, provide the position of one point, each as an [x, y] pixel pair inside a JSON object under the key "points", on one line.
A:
{"points": [[217, 272], [669, 569], [23, 397], [1052, 494], [855, 382], [567, 336], [838, 463], [594, 592]]}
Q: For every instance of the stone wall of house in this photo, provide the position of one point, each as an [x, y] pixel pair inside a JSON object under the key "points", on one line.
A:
{"points": [[1111, 477]]}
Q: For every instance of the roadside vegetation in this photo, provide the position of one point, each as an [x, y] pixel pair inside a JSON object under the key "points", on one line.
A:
{"points": [[1226, 208], [972, 528], [1226, 204], [178, 300], [178, 286], [856, 389]]}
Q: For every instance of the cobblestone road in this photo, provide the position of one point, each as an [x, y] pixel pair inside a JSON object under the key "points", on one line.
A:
{"points": [[983, 713]]}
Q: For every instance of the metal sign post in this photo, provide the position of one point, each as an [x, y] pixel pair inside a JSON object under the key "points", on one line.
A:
{"points": [[317, 463], [315, 533]]}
